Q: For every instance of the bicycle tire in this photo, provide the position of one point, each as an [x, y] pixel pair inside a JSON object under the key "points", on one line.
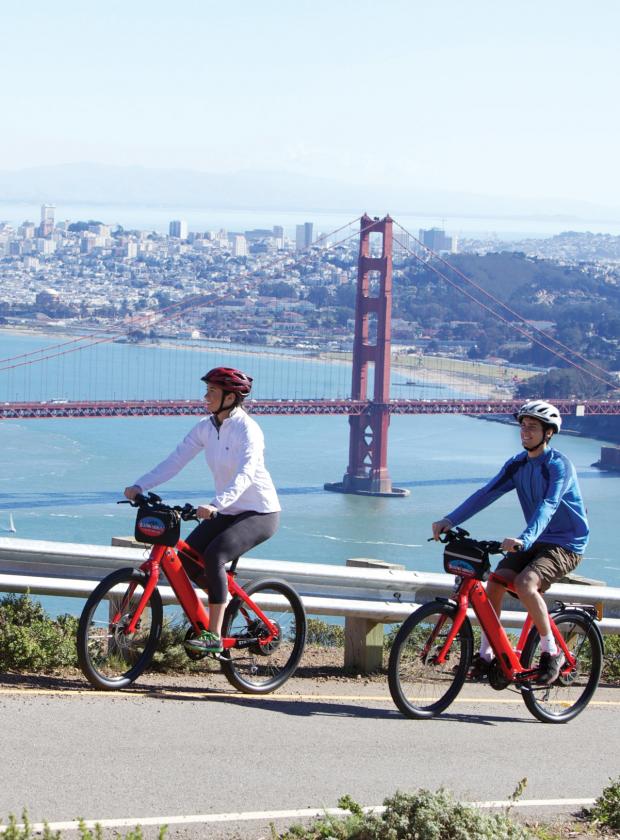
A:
{"points": [[109, 659], [571, 693], [420, 688], [261, 668]]}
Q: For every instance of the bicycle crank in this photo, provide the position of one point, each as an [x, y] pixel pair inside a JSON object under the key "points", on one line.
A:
{"points": [[497, 678]]}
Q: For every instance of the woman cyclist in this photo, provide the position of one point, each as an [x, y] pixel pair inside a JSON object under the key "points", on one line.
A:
{"points": [[554, 538], [245, 509]]}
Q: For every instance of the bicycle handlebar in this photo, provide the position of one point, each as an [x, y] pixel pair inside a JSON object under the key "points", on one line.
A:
{"points": [[457, 534], [187, 512]]}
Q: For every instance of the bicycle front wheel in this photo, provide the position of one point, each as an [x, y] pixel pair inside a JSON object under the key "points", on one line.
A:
{"points": [[420, 686], [109, 656], [573, 690], [254, 665]]}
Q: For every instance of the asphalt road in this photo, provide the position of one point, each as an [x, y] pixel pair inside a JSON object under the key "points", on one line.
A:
{"points": [[163, 751]]}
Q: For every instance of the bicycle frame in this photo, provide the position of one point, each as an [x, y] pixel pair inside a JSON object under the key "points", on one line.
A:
{"points": [[167, 559], [471, 592]]}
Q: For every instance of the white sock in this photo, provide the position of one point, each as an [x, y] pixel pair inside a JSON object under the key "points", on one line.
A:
{"points": [[486, 651], [548, 645]]}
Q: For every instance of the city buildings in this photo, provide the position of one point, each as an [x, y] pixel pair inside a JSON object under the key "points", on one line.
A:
{"points": [[255, 285], [239, 245], [178, 229], [437, 241], [303, 236]]}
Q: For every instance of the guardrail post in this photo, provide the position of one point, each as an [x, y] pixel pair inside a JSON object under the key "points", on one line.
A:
{"points": [[363, 637]]}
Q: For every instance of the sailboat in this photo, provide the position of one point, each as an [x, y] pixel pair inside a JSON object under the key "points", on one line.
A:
{"points": [[11, 529]]}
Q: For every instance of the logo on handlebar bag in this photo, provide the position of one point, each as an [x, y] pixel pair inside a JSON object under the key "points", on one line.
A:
{"points": [[150, 526]]}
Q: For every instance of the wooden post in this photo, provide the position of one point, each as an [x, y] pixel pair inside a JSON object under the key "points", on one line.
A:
{"points": [[363, 637]]}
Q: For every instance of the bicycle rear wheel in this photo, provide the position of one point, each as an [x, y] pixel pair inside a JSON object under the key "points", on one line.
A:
{"points": [[108, 656], [420, 686], [572, 691], [256, 666]]}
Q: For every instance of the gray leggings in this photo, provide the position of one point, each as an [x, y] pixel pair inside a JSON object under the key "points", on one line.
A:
{"points": [[220, 540]]}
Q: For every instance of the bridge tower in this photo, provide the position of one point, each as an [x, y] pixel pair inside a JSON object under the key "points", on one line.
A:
{"points": [[367, 472]]}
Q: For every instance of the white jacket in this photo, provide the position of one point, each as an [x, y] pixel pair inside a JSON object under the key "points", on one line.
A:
{"points": [[234, 453]]}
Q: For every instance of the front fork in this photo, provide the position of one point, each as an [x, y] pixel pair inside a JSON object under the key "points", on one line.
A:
{"points": [[151, 566], [459, 618]]}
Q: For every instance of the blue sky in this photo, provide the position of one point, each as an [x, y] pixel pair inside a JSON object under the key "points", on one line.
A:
{"points": [[516, 99]]}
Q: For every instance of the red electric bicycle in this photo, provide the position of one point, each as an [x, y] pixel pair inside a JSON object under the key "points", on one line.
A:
{"points": [[433, 649], [264, 627]]}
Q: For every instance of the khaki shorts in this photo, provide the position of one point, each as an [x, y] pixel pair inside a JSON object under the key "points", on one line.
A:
{"points": [[550, 562]]}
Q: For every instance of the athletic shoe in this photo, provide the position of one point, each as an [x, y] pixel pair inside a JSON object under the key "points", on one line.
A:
{"points": [[479, 669], [206, 642], [549, 667]]}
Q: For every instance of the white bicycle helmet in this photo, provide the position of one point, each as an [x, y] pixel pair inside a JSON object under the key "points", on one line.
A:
{"points": [[543, 411]]}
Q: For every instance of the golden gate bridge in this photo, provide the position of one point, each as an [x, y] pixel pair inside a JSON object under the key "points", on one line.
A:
{"points": [[370, 401]]}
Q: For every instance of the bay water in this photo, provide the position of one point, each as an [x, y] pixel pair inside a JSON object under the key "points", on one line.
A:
{"points": [[60, 480]]}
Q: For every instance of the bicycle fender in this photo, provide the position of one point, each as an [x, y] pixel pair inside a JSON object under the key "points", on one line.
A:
{"points": [[567, 612]]}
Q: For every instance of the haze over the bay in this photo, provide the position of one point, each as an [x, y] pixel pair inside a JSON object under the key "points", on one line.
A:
{"points": [[133, 185]]}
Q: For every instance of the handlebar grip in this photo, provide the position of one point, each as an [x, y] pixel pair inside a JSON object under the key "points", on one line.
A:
{"points": [[188, 512], [494, 547]]}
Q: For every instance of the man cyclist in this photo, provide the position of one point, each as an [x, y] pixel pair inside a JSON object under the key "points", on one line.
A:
{"points": [[245, 509], [555, 536]]}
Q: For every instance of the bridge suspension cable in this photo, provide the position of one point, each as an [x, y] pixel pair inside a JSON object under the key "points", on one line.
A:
{"points": [[511, 323]]}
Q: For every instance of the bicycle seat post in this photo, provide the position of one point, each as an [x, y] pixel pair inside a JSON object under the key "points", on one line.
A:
{"points": [[233, 566]]}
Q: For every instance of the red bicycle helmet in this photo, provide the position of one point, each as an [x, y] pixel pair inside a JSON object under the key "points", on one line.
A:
{"points": [[229, 379]]}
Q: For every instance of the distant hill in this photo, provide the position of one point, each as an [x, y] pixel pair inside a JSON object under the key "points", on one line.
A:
{"points": [[103, 184], [579, 305]]}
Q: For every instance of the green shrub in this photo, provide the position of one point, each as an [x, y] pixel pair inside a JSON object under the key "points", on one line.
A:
{"points": [[30, 641], [606, 809], [438, 816], [324, 634], [611, 659], [421, 815]]}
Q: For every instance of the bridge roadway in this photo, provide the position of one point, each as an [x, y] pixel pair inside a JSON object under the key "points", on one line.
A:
{"points": [[177, 747], [170, 408]]}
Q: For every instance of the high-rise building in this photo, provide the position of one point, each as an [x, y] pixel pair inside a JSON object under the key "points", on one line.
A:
{"points": [[47, 219], [436, 240], [47, 213], [239, 245], [277, 237], [303, 236], [178, 229]]}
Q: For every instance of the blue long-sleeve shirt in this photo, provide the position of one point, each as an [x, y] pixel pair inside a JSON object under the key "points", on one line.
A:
{"points": [[549, 495]]}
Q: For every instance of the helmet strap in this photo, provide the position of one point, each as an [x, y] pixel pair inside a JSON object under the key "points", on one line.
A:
{"points": [[222, 407]]}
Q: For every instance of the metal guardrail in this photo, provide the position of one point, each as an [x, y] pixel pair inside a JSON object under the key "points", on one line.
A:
{"points": [[386, 595]]}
